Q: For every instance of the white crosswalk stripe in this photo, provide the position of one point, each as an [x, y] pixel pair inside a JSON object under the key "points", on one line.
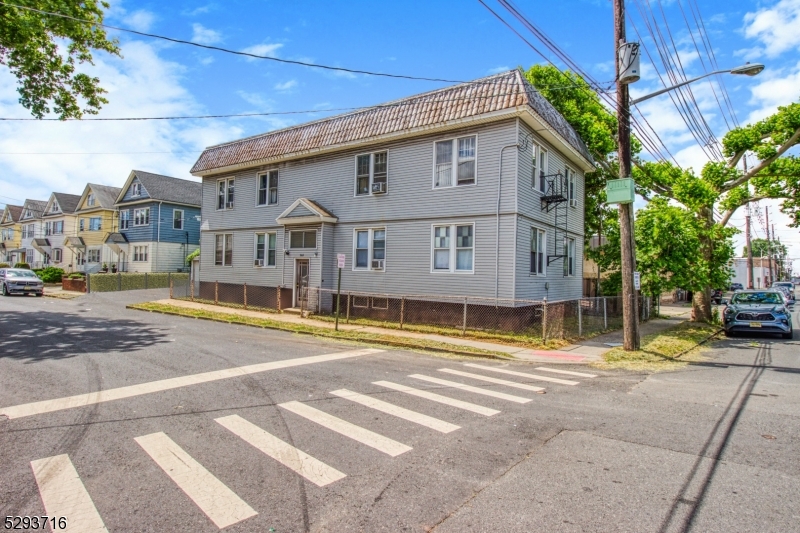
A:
{"points": [[481, 410], [64, 495], [394, 410], [523, 374], [211, 495], [357, 433], [566, 372], [470, 388], [498, 381], [310, 468]]}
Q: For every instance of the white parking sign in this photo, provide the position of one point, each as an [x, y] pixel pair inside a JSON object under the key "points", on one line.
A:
{"points": [[340, 259], [637, 281]]}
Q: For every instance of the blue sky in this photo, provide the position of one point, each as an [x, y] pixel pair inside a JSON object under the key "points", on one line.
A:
{"points": [[444, 39]]}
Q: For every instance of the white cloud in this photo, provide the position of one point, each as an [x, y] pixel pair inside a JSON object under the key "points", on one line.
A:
{"points": [[498, 70], [140, 20], [776, 27], [143, 84], [778, 88], [203, 35], [269, 50], [197, 11], [285, 86]]}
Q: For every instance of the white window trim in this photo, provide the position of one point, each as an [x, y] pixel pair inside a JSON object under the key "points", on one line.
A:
{"points": [[544, 166], [258, 187], [96, 218], [60, 253], [224, 241], [371, 238], [126, 218], [99, 255], [371, 173], [572, 194], [455, 163], [544, 262], [227, 199], [453, 248], [574, 258], [136, 189], [135, 217], [183, 219], [137, 254], [266, 235]]}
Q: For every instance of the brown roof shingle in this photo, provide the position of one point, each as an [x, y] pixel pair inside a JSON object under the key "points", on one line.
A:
{"points": [[494, 93]]}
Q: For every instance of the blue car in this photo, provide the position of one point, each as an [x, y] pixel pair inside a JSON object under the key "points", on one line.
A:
{"points": [[762, 311]]}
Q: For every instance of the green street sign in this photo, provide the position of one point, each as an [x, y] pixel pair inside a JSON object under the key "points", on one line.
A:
{"points": [[620, 191]]}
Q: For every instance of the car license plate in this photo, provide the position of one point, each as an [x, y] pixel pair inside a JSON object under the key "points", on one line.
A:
{"points": [[755, 324], [28, 289]]}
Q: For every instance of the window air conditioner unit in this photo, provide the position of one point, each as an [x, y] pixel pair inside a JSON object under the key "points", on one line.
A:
{"points": [[573, 203], [259, 262], [229, 205], [377, 264], [379, 188]]}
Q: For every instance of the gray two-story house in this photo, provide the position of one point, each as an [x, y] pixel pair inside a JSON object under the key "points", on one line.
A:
{"points": [[473, 190]]}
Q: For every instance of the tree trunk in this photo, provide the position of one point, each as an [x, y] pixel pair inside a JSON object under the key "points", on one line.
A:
{"points": [[701, 300]]}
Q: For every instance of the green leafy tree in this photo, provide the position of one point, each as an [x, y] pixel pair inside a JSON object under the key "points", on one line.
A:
{"points": [[724, 186], [43, 52], [763, 246]]}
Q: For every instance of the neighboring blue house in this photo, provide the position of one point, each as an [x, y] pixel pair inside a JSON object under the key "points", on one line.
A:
{"points": [[159, 223]]}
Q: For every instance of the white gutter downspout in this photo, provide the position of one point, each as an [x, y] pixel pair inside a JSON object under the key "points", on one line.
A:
{"points": [[497, 222]]}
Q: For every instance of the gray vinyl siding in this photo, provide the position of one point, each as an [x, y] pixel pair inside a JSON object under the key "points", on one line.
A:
{"points": [[407, 212]]}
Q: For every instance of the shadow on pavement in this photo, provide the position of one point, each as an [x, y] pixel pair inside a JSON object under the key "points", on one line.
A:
{"points": [[47, 335]]}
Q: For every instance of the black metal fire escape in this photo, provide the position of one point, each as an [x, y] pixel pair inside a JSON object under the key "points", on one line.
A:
{"points": [[555, 198]]}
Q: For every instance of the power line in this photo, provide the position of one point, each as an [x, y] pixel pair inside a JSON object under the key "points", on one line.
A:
{"points": [[235, 52]]}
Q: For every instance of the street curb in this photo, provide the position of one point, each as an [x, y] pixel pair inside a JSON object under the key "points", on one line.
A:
{"points": [[397, 344]]}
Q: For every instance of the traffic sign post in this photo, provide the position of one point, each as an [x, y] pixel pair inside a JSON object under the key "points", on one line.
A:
{"points": [[340, 259]]}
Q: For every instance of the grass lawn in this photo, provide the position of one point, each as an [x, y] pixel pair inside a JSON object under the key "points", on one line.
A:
{"points": [[668, 350], [398, 340]]}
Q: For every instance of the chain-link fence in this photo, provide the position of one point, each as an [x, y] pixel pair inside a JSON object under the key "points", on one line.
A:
{"points": [[129, 281], [449, 315]]}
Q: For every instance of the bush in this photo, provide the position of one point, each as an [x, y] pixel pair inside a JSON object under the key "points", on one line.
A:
{"points": [[191, 256], [22, 265], [51, 275], [4, 265], [77, 275]]}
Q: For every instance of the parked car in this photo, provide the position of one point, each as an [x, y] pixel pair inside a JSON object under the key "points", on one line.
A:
{"points": [[717, 295], [788, 285], [758, 311], [20, 281], [737, 287]]}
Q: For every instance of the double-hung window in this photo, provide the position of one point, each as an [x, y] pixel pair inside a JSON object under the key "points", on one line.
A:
{"points": [[90, 200], [268, 188], [569, 260], [48, 228], [370, 249], [453, 248], [58, 227], [265, 250], [570, 182], [225, 193], [177, 219], [95, 224], [82, 224], [57, 257], [455, 162], [223, 249], [540, 168], [372, 171], [141, 216], [140, 254], [303, 239], [136, 189], [93, 255], [124, 219], [538, 251]]}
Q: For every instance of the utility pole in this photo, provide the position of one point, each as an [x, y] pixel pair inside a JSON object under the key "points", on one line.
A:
{"points": [[749, 252], [769, 251], [630, 303]]}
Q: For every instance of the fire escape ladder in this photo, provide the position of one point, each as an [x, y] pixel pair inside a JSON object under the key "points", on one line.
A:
{"points": [[555, 199]]}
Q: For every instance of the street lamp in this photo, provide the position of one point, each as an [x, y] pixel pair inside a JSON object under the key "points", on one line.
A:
{"points": [[748, 69], [627, 72]]}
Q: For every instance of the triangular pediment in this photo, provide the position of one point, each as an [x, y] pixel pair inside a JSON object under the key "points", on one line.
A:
{"points": [[305, 211]]}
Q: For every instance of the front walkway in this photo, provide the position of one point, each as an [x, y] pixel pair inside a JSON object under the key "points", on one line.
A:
{"points": [[582, 352]]}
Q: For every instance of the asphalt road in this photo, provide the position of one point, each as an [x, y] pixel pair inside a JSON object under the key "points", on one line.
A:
{"points": [[713, 447]]}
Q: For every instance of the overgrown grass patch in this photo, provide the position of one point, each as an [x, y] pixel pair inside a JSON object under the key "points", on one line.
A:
{"points": [[671, 349], [356, 336]]}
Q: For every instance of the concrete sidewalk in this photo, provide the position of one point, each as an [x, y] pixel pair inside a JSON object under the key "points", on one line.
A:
{"points": [[582, 352]]}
